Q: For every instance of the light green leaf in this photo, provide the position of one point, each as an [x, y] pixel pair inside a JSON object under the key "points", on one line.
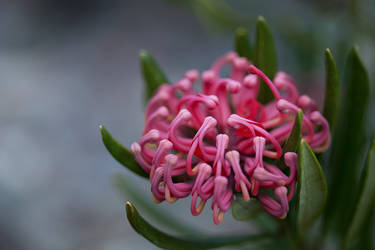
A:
{"points": [[265, 57], [312, 189], [242, 44], [366, 199], [331, 99], [293, 141], [153, 76], [121, 154], [348, 143], [242, 210], [167, 241]]}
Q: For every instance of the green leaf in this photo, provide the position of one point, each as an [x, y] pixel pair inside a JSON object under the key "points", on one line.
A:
{"points": [[130, 191], [312, 189], [293, 141], [348, 143], [366, 199], [242, 44], [331, 99], [242, 210], [153, 76], [167, 241], [265, 57], [121, 154]]}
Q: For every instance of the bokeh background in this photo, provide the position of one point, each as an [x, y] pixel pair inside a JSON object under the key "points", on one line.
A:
{"points": [[68, 66]]}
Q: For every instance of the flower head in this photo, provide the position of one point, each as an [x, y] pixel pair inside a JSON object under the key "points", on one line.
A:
{"points": [[214, 144]]}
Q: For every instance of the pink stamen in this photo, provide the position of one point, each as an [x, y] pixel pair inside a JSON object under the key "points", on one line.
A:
{"points": [[242, 184], [165, 146], [255, 70], [206, 152]]}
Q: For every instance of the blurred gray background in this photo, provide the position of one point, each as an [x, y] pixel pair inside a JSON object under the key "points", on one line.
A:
{"points": [[65, 68]]}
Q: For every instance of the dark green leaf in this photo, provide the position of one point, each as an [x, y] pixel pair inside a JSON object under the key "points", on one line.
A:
{"points": [[130, 191], [331, 99], [312, 189], [121, 154], [348, 143], [242, 44], [167, 241], [265, 57], [153, 76], [366, 199], [293, 141], [242, 210]]}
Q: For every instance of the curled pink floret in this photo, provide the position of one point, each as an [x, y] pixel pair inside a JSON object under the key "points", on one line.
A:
{"points": [[213, 145]]}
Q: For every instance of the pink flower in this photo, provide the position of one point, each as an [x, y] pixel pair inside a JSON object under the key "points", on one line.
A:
{"points": [[213, 144]]}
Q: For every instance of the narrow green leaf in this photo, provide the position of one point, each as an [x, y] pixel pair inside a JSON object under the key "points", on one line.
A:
{"points": [[167, 241], [242, 210], [130, 191], [331, 99], [242, 44], [366, 199], [348, 143], [121, 154], [153, 76], [293, 141], [312, 189], [265, 57]]}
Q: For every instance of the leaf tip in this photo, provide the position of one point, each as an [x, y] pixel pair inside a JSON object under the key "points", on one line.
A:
{"points": [[103, 131], [143, 54], [241, 31], [130, 210], [131, 213], [328, 53], [261, 19], [300, 114], [129, 206]]}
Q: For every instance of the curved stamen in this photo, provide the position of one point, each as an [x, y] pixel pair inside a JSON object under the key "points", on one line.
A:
{"points": [[291, 161], [157, 189], [260, 174], [222, 142], [255, 129], [136, 150], [220, 90], [255, 70], [306, 103], [157, 120], [173, 191], [222, 198], [239, 68], [161, 97], [204, 172], [284, 106], [192, 75], [180, 143], [219, 63], [198, 148], [165, 146], [281, 195], [283, 81], [242, 184], [193, 103], [321, 139]]}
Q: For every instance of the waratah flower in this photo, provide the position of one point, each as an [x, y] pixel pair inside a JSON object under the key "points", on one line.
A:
{"points": [[215, 143]]}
